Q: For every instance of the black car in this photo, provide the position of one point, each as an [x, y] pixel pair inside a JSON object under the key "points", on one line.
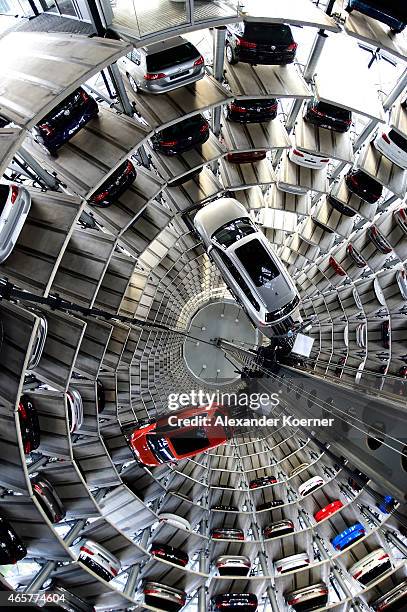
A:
{"points": [[117, 183], [379, 241], [341, 208], [276, 503], [386, 334], [244, 602], [252, 110], [363, 186], [100, 396], [48, 498], [246, 157], [394, 600], [169, 553], [182, 136], [260, 43], [29, 424], [12, 548], [278, 528], [225, 508], [65, 120], [262, 481], [358, 480], [328, 116], [355, 256], [227, 533]]}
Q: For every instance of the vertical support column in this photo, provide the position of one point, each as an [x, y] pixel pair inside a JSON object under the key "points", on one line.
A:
{"points": [[218, 61], [130, 587], [45, 176], [120, 89]]}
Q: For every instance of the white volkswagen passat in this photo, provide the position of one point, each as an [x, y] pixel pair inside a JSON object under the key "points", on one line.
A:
{"points": [[250, 268], [393, 146], [15, 202], [309, 160], [310, 485], [370, 567]]}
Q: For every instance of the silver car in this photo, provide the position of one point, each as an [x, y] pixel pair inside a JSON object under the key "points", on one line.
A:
{"points": [[15, 202], [163, 66], [250, 268]]}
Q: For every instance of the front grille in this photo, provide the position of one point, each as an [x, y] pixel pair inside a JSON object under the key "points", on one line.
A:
{"points": [[277, 314]]}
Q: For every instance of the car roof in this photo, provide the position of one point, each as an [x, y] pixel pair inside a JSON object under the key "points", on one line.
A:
{"points": [[163, 45]]}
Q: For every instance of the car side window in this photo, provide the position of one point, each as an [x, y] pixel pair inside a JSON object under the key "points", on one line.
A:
{"points": [[238, 278]]}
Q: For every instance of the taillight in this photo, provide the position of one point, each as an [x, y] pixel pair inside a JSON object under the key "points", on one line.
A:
{"points": [[86, 550], [279, 568], [292, 47], [356, 576], [238, 109], [114, 571], [37, 488], [199, 61], [46, 128], [168, 143], [324, 160], [245, 43], [385, 556], [129, 167], [14, 193], [153, 77], [83, 95], [100, 196], [297, 152], [317, 112], [22, 410], [27, 447], [386, 138], [204, 128]]}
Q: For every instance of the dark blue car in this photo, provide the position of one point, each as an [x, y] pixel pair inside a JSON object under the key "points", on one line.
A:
{"points": [[391, 12], [387, 504], [65, 120], [348, 536]]}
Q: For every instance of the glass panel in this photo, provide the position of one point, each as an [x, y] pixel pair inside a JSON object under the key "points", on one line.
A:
{"points": [[66, 8], [257, 262], [234, 231]]}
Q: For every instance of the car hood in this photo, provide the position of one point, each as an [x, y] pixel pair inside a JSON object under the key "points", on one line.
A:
{"points": [[215, 214]]}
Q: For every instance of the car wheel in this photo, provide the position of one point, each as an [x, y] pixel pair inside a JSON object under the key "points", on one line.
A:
{"points": [[230, 55]]}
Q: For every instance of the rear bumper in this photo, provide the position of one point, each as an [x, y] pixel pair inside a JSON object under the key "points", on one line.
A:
{"points": [[164, 85], [328, 123], [250, 117], [254, 56], [180, 147]]}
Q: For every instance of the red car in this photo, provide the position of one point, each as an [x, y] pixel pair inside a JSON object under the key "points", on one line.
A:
{"points": [[328, 510], [179, 435]]}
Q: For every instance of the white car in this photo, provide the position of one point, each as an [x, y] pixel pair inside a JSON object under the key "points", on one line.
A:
{"points": [[295, 189], [15, 203], [251, 269], [357, 299], [233, 565], [309, 160], [291, 563], [39, 343], [299, 468], [361, 332], [310, 485], [371, 567], [175, 520], [393, 146], [75, 409], [97, 558], [401, 277]]}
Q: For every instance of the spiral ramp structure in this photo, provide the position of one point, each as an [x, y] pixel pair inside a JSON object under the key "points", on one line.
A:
{"points": [[119, 292]]}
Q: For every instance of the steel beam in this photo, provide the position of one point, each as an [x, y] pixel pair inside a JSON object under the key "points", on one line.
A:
{"points": [[120, 89], [45, 176], [219, 40], [131, 582]]}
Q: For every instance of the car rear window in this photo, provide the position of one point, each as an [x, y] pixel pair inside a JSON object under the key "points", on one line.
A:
{"points": [[273, 33], [257, 262], [171, 57], [179, 129], [398, 140], [233, 231], [195, 440], [334, 111]]}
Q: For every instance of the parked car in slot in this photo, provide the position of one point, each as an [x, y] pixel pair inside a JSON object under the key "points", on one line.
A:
{"points": [[29, 424], [326, 115], [65, 120], [395, 600], [308, 160], [75, 409], [270, 505], [15, 203], [51, 592], [249, 266], [233, 565], [278, 529], [308, 598], [328, 510], [259, 43], [390, 12], [169, 553], [175, 520], [310, 485], [356, 257], [336, 267], [163, 66], [39, 343], [227, 533], [379, 241], [12, 548], [252, 110], [358, 480], [262, 481], [224, 508], [387, 504], [361, 335], [400, 217], [163, 596], [385, 330], [299, 468], [100, 396], [101, 561], [348, 536], [362, 185], [48, 498], [114, 186], [182, 136], [371, 566], [393, 146], [229, 602], [246, 157], [340, 207], [291, 563], [158, 442]]}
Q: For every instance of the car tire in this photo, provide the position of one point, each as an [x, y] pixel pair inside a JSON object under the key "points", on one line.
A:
{"points": [[230, 54]]}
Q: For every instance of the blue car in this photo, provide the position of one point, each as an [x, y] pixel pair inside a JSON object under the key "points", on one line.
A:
{"points": [[391, 12], [65, 120], [387, 504], [348, 536]]}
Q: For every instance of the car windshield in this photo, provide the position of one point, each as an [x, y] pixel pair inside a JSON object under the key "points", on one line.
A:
{"points": [[272, 33], [257, 262], [334, 111], [159, 447], [192, 441], [233, 231], [171, 57], [398, 140]]}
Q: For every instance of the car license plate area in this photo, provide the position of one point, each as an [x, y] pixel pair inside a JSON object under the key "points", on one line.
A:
{"points": [[179, 75]]}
